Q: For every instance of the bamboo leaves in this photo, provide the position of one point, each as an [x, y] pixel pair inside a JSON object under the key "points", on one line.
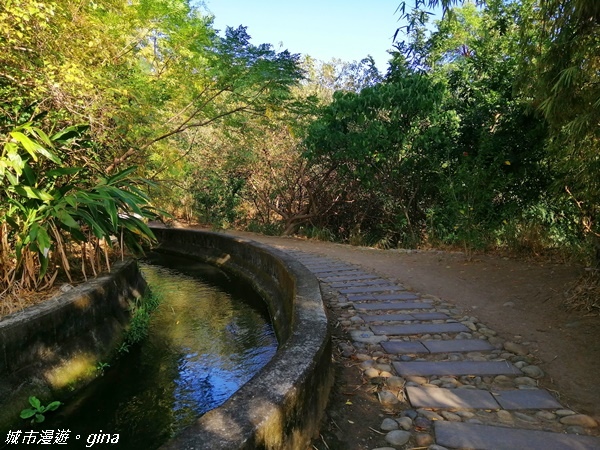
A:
{"points": [[51, 209]]}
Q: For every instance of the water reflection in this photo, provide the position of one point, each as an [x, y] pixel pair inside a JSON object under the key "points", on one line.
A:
{"points": [[208, 337]]}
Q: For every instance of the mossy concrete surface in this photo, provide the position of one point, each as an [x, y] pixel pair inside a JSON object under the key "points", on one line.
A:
{"points": [[53, 348], [281, 407]]}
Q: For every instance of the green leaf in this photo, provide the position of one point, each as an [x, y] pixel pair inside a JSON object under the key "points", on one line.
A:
{"points": [[63, 171], [42, 136], [29, 175], [53, 406], [121, 175], [39, 418], [43, 266], [137, 226], [50, 155], [89, 220], [77, 235], [31, 192], [13, 159], [33, 148], [70, 133], [44, 241], [12, 223], [66, 218], [28, 144], [111, 209], [27, 413], [12, 179], [35, 402], [70, 200]]}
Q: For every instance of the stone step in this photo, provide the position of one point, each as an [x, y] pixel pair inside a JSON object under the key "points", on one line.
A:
{"points": [[485, 437], [430, 316], [334, 270], [355, 276], [403, 317], [314, 261], [367, 337], [386, 317], [311, 260], [365, 289], [391, 306], [526, 399], [454, 399], [328, 268], [438, 346], [427, 368], [367, 282], [459, 399], [404, 347], [322, 262], [458, 345], [306, 256], [381, 297], [419, 328]]}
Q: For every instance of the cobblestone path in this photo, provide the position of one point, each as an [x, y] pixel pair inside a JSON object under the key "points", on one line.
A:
{"points": [[455, 383]]}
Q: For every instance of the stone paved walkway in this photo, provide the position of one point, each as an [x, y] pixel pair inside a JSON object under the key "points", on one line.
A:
{"points": [[459, 385]]}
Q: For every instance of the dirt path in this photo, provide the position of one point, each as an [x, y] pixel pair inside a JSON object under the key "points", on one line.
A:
{"points": [[522, 301]]}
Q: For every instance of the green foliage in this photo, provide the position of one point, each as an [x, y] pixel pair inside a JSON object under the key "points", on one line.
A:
{"points": [[445, 149], [528, 57], [149, 78], [499, 167], [217, 197], [566, 89], [269, 229], [47, 205], [324, 78], [384, 144], [141, 312], [37, 411], [483, 133], [321, 234], [102, 366], [233, 88]]}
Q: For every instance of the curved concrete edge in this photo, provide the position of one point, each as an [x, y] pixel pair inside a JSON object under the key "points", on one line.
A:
{"points": [[50, 349], [281, 407]]}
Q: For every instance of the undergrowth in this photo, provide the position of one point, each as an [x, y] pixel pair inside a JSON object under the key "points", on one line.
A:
{"points": [[141, 312], [585, 294]]}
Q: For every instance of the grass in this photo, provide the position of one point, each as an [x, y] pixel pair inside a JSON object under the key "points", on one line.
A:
{"points": [[141, 312]]}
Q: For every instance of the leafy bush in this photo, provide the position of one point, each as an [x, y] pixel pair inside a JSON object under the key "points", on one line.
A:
{"points": [[217, 197], [37, 411], [50, 210], [141, 312], [384, 145]]}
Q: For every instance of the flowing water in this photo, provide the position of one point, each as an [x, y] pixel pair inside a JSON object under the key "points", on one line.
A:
{"points": [[208, 337]]}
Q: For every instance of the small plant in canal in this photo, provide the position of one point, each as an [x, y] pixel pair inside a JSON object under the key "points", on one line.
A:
{"points": [[37, 410], [123, 348], [141, 312], [102, 366]]}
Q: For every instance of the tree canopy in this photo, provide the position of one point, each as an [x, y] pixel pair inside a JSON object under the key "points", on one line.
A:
{"points": [[483, 132]]}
